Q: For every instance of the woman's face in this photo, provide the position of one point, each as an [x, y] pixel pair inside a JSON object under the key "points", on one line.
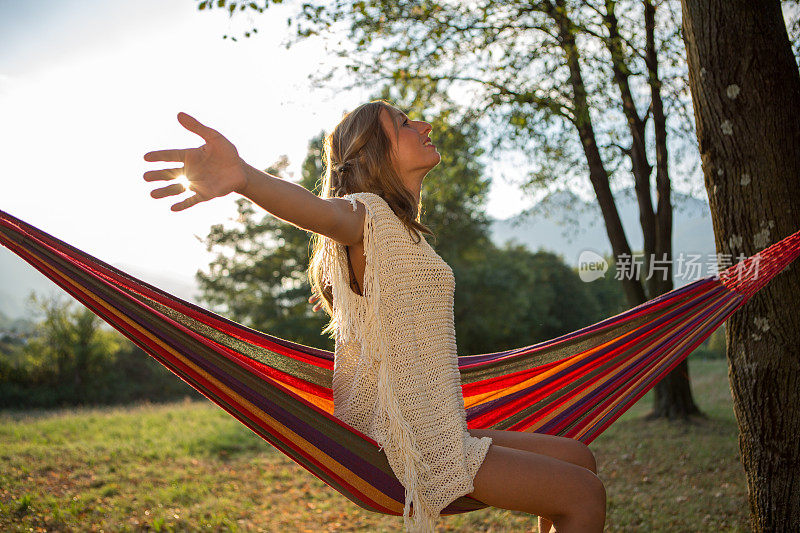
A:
{"points": [[414, 155]]}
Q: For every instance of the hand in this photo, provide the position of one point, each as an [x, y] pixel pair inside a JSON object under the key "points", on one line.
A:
{"points": [[214, 169], [318, 305]]}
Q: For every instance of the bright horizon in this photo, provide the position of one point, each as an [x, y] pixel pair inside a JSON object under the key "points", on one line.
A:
{"points": [[87, 88]]}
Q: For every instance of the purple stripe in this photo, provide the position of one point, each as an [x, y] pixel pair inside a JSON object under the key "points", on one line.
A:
{"points": [[712, 325], [651, 358]]}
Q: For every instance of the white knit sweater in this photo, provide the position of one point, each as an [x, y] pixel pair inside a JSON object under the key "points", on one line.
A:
{"points": [[395, 375]]}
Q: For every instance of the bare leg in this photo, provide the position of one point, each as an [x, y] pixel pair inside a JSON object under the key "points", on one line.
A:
{"points": [[571, 496], [567, 454], [563, 448]]}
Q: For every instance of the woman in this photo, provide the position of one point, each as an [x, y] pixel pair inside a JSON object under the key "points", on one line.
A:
{"points": [[390, 298]]}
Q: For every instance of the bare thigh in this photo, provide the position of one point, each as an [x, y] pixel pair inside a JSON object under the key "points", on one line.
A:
{"points": [[563, 448], [522, 479]]}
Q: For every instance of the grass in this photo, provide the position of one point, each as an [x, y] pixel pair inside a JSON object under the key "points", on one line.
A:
{"points": [[189, 466]]}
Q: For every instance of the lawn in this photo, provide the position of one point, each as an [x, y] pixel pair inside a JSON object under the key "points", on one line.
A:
{"points": [[189, 466]]}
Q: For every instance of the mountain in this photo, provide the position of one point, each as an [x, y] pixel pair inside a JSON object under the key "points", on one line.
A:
{"points": [[564, 224], [18, 279]]}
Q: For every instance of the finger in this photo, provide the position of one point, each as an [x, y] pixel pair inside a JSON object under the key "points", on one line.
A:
{"points": [[170, 190], [186, 204], [316, 307], [313, 298], [193, 125], [175, 156], [163, 175]]}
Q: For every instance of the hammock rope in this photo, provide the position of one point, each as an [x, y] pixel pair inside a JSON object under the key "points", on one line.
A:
{"points": [[575, 385]]}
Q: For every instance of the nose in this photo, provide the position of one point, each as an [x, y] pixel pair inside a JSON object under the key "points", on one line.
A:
{"points": [[424, 127]]}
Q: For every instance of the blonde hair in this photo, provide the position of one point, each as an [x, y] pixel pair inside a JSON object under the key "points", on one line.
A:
{"points": [[357, 158]]}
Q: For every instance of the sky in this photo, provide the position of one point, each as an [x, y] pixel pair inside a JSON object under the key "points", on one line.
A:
{"points": [[87, 87]]}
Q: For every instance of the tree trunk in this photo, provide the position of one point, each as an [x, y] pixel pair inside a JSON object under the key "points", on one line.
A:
{"points": [[672, 396], [598, 176], [746, 93]]}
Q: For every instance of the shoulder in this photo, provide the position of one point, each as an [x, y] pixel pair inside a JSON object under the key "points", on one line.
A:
{"points": [[381, 220], [368, 198], [376, 206]]}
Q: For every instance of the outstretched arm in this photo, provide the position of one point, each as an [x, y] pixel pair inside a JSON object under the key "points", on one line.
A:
{"points": [[332, 217], [215, 169]]}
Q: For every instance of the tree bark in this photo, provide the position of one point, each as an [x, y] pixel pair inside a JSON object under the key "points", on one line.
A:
{"points": [[746, 92]]}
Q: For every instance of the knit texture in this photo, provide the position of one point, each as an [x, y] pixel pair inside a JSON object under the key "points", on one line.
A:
{"points": [[395, 375]]}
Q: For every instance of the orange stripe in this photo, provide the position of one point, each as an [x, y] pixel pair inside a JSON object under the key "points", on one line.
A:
{"points": [[633, 385], [323, 403], [477, 399], [571, 361], [630, 385]]}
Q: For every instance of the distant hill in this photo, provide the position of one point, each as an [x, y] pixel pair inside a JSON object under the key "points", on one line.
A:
{"points": [[183, 287], [562, 223], [18, 279], [566, 225]]}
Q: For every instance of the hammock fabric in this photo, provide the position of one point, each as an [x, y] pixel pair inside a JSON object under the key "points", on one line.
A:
{"points": [[575, 385]]}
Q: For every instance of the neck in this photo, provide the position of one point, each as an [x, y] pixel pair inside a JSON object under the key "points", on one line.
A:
{"points": [[416, 194], [414, 185]]}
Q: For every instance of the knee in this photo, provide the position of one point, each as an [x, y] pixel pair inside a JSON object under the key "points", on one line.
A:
{"points": [[584, 456], [598, 489], [593, 491], [586, 510], [596, 503], [593, 501]]}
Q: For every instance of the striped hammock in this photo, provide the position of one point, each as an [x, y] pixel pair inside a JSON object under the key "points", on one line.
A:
{"points": [[575, 385]]}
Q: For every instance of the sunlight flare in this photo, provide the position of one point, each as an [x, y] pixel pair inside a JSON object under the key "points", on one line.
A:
{"points": [[184, 181]]}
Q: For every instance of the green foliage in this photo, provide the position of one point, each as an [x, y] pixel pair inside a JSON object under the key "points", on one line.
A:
{"points": [[607, 292], [259, 276], [517, 298], [67, 347], [69, 358]]}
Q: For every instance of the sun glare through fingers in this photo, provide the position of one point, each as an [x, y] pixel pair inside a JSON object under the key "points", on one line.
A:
{"points": [[183, 180]]}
